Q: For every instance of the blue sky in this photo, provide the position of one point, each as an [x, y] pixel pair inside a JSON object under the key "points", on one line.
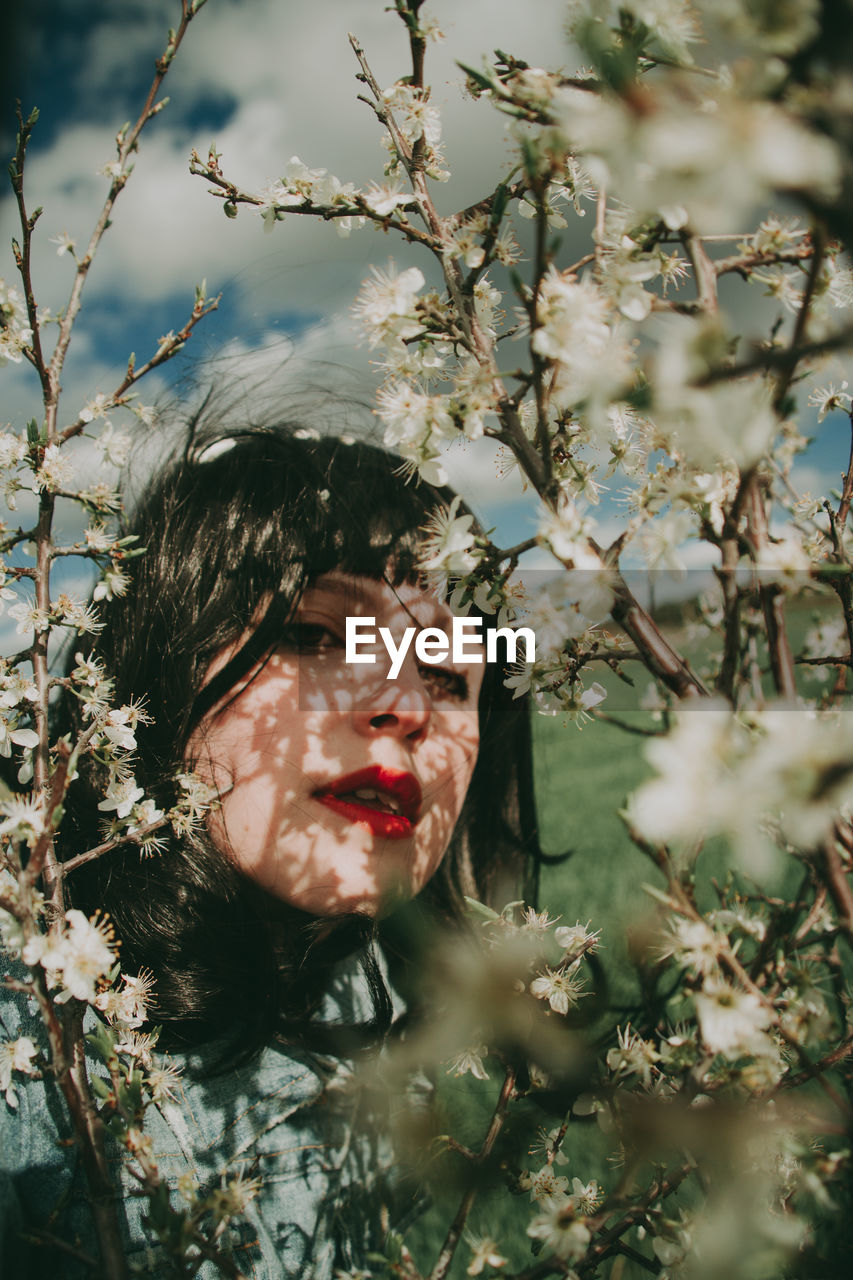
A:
{"points": [[264, 80]]}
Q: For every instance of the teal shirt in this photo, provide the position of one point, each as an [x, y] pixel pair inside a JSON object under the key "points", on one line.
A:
{"points": [[286, 1119]]}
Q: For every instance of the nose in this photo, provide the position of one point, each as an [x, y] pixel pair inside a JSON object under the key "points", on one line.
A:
{"points": [[399, 708]]}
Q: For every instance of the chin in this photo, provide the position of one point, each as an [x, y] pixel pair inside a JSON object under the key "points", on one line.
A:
{"points": [[374, 905]]}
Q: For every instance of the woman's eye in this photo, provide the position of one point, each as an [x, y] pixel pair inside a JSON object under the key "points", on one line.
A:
{"points": [[311, 637], [444, 682]]}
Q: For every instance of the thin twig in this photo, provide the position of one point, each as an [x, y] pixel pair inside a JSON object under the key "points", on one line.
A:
{"points": [[23, 255], [704, 273], [772, 600], [839, 886], [168, 348], [831, 1059], [847, 492], [138, 836], [766, 359], [454, 1235], [126, 143]]}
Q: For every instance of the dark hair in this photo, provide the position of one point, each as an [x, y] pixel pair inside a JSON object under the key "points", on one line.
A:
{"points": [[234, 527]]}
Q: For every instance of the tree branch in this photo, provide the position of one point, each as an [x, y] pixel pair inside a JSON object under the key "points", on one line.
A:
{"points": [[451, 1243]]}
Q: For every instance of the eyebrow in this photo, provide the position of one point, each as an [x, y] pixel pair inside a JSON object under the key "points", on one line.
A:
{"points": [[373, 591]]}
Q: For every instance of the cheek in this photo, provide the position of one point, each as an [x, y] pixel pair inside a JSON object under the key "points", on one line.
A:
{"points": [[449, 757]]}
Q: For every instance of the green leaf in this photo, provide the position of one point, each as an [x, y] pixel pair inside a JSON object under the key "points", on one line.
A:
{"points": [[530, 156], [158, 1207], [102, 1088], [482, 78], [499, 205], [480, 910], [101, 1041]]}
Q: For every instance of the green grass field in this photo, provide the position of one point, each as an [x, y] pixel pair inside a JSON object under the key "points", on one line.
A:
{"points": [[583, 777]]}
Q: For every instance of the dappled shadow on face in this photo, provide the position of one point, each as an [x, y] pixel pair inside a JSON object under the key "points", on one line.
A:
{"points": [[300, 726]]}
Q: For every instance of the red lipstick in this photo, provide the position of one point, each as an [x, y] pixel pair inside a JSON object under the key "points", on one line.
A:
{"points": [[388, 801]]}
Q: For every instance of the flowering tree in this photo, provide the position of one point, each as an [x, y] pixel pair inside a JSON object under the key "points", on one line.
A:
{"points": [[725, 1102], [64, 963], [624, 364]]}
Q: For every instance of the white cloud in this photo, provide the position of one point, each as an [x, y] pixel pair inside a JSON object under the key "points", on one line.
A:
{"points": [[291, 73]]}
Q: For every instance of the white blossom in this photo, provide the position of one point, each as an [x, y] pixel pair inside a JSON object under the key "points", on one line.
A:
{"points": [[572, 329], [543, 1146], [545, 1186], [562, 988], [826, 399], [114, 445], [127, 1005], [580, 702], [519, 679], [673, 23], [63, 242], [732, 1022], [55, 472], [784, 560], [577, 936], [386, 305], [30, 617], [632, 1055], [411, 416], [121, 795], [414, 113], [15, 1055], [561, 1231], [693, 945], [695, 779], [723, 422], [78, 614], [384, 199], [448, 543], [12, 449], [470, 1061], [27, 738], [114, 583], [23, 818], [710, 149], [15, 331], [662, 540], [484, 1253], [567, 532], [586, 1197], [118, 728], [78, 955], [98, 407]]}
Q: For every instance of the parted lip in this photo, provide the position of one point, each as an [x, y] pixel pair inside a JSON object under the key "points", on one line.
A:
{"points": [[400, 786]]}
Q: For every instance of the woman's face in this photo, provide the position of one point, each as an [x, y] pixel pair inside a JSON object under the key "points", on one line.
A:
{"points": [[340, 788]]}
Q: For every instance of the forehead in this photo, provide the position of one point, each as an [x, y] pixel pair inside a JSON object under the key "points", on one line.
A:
{"points": [[359, 594]]}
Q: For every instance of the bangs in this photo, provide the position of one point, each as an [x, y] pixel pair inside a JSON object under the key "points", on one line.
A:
{"points": [[272, 512], [295, 508]]}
